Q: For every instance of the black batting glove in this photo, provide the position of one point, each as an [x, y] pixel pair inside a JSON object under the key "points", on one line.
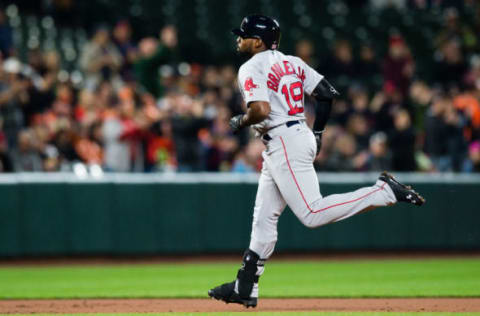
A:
{"points": [[318, 139], [236, 123]]}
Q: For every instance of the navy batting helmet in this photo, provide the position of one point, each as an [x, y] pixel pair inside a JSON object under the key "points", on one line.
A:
{"points": [[262, 27]]}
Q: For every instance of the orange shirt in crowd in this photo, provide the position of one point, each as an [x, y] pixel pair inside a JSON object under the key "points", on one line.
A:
{"points": [[470, 105]]}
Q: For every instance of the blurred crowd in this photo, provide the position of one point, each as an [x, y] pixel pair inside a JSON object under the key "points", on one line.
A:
{"points": [[132, 106]]}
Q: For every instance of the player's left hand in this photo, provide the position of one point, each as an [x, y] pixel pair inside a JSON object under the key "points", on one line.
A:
{"points": [[236, 123], [318, 139]]}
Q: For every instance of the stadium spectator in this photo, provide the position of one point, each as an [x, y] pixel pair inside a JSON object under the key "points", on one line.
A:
{"points": [[357, 126], [473, 163], [420, 97], [456, 144], [5, 161], [367, 67], [25, 156], [345, 156], [341, 66], [122, 135], [6, 38], [13, 94], [64, 140], [398, 67], [436, 131], [332, 132], [360, 103], [100, 59], [43, 69], [152, 55], [472, 78], [379, 156], [451, 68], [468, 103], [161, 148], [384, 105], [306, 51], [122, 38], [88, 145], [402, 142], [221, 145], [454, 30], [187, 120], [251, 159]]}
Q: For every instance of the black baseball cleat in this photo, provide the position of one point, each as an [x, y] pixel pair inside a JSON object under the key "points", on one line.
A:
{"points": [[403, 193], [226, 293]]}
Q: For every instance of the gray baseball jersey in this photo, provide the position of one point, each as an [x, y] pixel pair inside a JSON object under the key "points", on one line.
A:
{"points": [[281, 80]]}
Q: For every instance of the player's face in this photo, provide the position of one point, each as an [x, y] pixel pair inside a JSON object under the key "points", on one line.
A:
{"points": [[244, 45]]}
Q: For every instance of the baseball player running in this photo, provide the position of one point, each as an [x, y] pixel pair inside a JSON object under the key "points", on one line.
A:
{"points": [[273, 87]]}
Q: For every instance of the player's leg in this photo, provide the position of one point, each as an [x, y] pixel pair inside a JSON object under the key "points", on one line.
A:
{"points": [[269, 205], [293, 171]]}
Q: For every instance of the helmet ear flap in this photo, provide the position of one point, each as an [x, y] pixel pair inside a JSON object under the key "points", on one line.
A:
{"points": [[277, 44]]}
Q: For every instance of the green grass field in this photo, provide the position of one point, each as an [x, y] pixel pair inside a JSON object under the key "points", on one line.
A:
{"points": [[453, 277], [358, 278]]}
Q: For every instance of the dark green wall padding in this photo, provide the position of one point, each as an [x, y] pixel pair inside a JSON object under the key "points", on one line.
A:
{"points": [[38, 219]]}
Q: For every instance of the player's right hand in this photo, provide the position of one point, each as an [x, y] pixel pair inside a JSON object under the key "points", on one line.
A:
{"points": [[318, 139], [236, 123]]}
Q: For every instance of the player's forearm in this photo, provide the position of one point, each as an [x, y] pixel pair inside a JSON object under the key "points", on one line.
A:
{"points": [[324, 94], [256, 113], [323, 109]]}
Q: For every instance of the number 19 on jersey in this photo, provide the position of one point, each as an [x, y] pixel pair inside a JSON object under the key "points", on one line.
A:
{"points": [[293, 94]]}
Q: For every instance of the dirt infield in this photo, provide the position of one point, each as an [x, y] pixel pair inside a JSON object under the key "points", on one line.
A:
{"points": [[454, 305]]}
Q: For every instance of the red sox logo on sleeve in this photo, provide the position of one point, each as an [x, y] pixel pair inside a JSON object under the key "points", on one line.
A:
{"points": [[249, 85]]}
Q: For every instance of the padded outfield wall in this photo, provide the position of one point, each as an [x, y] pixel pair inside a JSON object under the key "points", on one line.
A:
{"points": [[143, 214]]}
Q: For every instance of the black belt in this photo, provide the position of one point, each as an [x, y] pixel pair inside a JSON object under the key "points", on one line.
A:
{"points": [[291, 123], [267, 137]]}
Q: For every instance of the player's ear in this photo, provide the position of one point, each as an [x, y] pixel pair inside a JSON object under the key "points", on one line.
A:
{"points": [[258, 43]]}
